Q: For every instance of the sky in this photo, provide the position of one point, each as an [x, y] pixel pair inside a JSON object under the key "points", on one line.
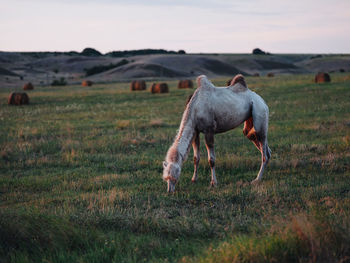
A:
{"points": [[196, 26]]}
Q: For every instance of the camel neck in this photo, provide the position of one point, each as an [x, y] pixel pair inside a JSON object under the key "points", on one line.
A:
{"points": [[184, 141], [179, 150]]}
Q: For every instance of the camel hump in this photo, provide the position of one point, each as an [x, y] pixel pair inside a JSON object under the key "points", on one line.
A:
{"points": [[238, 79], [203, 81]]}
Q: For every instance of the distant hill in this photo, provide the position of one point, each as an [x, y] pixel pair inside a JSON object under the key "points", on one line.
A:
{"points": [[44, 67], [6, 72]]}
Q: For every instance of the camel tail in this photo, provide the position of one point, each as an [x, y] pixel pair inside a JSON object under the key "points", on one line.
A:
{"points": [[256, 126], [255, 129]]}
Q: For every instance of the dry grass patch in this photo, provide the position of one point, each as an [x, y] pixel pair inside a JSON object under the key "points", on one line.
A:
{"points": [[104, 200], [122, 124], [156, 123]]}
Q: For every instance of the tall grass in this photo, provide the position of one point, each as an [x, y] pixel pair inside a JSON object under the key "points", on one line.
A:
{"points": [[80, 178]]}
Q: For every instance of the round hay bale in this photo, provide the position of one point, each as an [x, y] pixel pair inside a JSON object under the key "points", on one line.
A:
{"points": [[185, 84], [159, 88], [138, 85], [322, 77], [16, 98], [256, 75], [270, 75], [28, 86], [10, 99], [87, 83]]}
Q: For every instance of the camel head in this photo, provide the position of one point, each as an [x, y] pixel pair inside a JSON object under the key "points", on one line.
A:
{"points": [[171, 174]]}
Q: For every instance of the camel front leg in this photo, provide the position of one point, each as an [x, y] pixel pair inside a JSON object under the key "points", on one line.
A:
{"points": [[209, 143], [196, 156]]}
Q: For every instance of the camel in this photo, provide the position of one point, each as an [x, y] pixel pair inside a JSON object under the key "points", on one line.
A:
{"points": [[214, 110]]}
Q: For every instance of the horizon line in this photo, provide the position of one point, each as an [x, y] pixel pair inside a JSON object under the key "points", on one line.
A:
{"points": [[187, 53]]}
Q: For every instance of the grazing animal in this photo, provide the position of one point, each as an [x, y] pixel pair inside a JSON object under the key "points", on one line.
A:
{"points": [[214, 110]]}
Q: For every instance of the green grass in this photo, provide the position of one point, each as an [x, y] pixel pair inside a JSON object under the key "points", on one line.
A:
{"points": [[80, 178]]}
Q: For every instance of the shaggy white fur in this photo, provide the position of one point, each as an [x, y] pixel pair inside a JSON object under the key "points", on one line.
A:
{"points": [[214, 110]]}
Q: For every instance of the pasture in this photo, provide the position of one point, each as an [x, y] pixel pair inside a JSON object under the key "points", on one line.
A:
{"points": [[80, 178]]}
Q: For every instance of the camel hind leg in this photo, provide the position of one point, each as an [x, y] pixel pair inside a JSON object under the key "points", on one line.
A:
{"points": [[250, 132], [265, 157], [256, 131]]}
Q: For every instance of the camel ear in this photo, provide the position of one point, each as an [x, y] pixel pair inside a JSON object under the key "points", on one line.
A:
{"points": [[165, 164]]}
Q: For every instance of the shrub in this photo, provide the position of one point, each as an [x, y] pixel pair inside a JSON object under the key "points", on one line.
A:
{"points": [[90, 52], [127, 53], [60, 82], [101, 68], [258, 51]]}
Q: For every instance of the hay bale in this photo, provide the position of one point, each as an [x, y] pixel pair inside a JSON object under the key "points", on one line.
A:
{"points": [[28, 86], [185, 84], [87, 83], [322, 77], [270, 75], [159, 88], [17, 98], [256, 75], [138, 85]]}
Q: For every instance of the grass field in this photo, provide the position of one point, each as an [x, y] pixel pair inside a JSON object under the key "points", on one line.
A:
{"points": [[80, 178]]}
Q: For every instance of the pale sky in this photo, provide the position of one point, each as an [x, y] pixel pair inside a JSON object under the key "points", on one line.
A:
{"points": [[208, 26]]}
